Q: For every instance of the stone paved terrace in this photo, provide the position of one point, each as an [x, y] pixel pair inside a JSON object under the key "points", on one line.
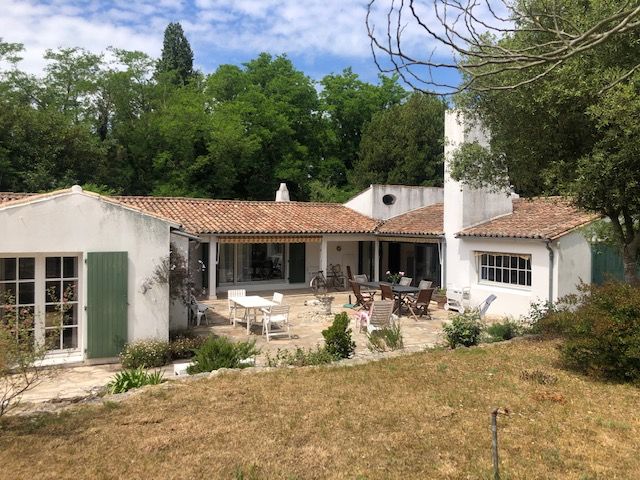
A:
{"points": [[306, 326], [308, 321]]}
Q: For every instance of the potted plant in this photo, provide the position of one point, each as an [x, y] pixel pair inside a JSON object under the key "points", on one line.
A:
{"points": [[394, 278], [440, 296]]}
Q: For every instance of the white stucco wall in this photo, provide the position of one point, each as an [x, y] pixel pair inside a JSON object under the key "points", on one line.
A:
{"points": [[511, 300], [78, 223], [574, 262], [369, 202]]}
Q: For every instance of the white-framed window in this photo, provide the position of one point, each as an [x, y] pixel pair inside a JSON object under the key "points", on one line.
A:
{"points": [[504, 268], [41, 293], [18, 293]]}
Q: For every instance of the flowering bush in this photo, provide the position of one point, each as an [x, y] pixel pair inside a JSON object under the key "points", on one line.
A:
{"points": [[394, 277]]}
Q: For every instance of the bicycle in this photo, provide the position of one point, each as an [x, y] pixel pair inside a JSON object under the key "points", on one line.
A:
{"points": [[336, 277], [319, 283]]}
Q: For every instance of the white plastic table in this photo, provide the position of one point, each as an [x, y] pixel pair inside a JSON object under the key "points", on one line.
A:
{"points": [[251, 302]]}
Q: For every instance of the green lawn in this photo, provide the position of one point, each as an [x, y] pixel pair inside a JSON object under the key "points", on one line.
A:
{"points": [[419, 416]]}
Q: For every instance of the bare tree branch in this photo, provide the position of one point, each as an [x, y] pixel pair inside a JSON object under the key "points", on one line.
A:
{"points": [[469, 34]]}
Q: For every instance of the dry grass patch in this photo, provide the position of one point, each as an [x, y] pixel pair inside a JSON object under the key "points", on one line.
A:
{"points": [[419, 416]]}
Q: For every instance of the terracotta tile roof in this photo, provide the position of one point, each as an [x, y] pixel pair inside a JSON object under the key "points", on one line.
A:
{"points": [[6, 197], [422, 221], [544, 218], [249, 217]]}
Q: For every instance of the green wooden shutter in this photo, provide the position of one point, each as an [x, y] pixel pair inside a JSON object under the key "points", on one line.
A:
{"points": [[296, 263], [106, 303]]}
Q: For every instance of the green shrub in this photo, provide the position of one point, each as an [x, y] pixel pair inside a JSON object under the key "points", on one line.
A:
{"points": [[389, 338], [505, 330], [464, 329], [220, 352], [146, 354], [300, 357], [601, 331], [133, 378], [337, 337], [185, 347]]}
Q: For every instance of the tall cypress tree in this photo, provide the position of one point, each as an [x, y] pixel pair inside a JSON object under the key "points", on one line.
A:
{"points": [[177, 55]]}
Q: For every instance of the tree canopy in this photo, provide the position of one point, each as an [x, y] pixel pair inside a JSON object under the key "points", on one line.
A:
{"points": [[123, 122], [572, 132]]}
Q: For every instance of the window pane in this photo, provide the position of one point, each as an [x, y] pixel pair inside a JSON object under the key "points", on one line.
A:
{"points": [[514, 277], [225, 263], [498, 274], [7, 269], [522, 263], [7, 293], [505, 275], [499, 261], [52, 316], [70, 315], [529, 279], [491, 260], [53, 267], [70, 337], [52, 339], [483, 259], [70, 267], [53, 291], [27, 268], [522, 278], [7, 314], [69, 291], [529, 264], [514, 262], [26, 317], [492, 275], [26, 293], [483, 273]]}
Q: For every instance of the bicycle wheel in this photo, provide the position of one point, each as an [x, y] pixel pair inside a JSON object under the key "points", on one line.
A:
{"points": [[319, 286]]}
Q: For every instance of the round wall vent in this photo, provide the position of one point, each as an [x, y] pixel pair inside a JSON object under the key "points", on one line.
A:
{"points": [[389, 199]]}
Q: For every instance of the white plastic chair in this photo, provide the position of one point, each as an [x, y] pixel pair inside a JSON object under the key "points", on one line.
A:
{"points": [[276, 315], [199, 310], [232, 306], [277, 298], [405, 281], [484, 306]]}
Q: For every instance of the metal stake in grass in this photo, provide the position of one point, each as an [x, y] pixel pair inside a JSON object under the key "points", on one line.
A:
{"points": [[494, 440]]}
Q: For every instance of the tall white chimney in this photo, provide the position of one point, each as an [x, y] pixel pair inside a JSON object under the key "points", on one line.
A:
{"points": [[282, 194]]}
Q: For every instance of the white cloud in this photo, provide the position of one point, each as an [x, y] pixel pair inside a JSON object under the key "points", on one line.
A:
{"points": [[310, 28]]}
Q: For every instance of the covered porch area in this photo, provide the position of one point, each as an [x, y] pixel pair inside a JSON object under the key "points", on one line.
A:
{"points": [[258, 263]]}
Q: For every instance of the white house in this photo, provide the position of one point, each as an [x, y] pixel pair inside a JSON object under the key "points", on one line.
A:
{"points": [[101, 253], [92, 255]]}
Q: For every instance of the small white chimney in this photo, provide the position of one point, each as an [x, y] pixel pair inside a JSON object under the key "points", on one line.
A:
{"points": [[282, 194]]}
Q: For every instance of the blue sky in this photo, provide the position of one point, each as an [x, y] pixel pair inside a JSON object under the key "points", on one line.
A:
{"points": [[320, 36]]}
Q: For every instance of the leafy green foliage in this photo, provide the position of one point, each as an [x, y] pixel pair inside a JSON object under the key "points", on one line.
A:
{"points": [[571, 132], [389, 338], [145, 353], [464, 330], [119, 125], [220, 352], [601, 331], [156, 353], [337, 337], [300, 357], [504, 330], [403, 145], [133, 378]]}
